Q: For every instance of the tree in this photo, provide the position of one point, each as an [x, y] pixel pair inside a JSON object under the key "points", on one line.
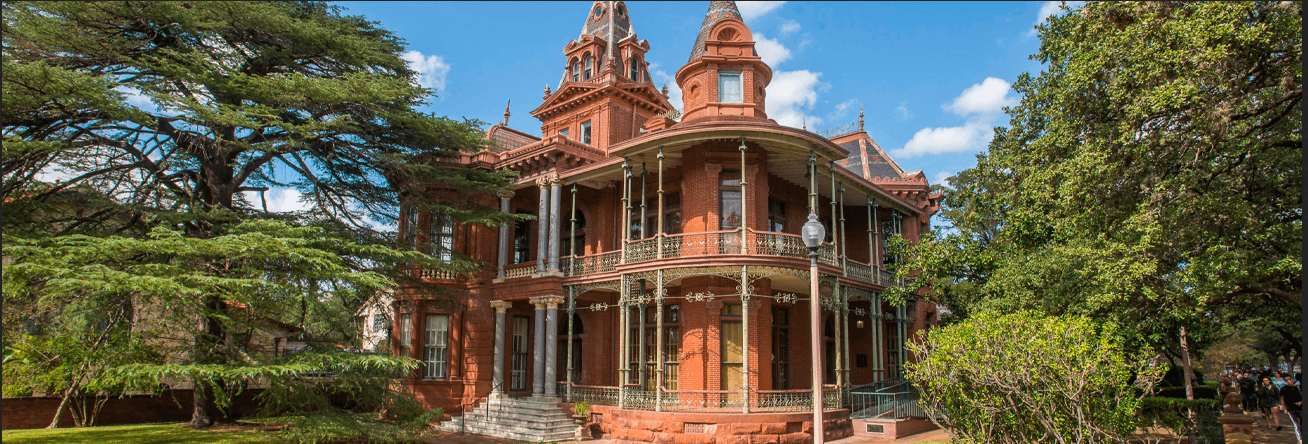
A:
{"points": [[173, 111], [1024, 377], [1150, 174]]}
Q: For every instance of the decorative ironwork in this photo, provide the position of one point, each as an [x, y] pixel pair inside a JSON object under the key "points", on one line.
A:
{"points": [[838, 130], [594, 395], [859, 312], [599, 307], [700, 296], [603, 285], [785, 298], [784, 400], [638, 399]]}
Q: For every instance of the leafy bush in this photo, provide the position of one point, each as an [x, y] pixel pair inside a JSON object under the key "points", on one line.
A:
{"points": [[1201, 392], [1195, 419], [1024, 377]]}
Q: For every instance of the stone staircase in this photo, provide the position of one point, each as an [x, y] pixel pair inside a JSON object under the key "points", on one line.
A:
{"points": [[523, 419]]}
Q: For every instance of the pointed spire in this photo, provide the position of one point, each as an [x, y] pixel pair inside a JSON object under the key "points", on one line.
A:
{"points": [[717, 12], [860, 115], [506, 112], [803, 122]]}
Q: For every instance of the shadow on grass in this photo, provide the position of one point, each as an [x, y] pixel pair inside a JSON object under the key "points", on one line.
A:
{"points": [[139, 434]]}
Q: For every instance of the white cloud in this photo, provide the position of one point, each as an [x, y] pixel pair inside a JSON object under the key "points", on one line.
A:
{"points": [[986, 98], [770, 50], [972, 136], [942, 178], [792, 94], [661, 78], [280, 200], [136, 98], [1047, 9], [789, 27], [903, 109], [431, 69], [752, 10], [981, 103]]}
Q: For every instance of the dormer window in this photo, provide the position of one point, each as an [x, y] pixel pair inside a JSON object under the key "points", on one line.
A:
{"points": [[576, 70], [586, 62], [729, 87], [635, 70]]}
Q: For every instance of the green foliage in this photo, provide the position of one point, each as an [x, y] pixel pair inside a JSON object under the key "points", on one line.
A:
{"points": [[1024, 377], [581, 407], [1179, 415], [1148, 177], [138, 434]]}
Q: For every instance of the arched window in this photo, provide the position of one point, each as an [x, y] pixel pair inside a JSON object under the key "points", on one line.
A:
{"points": [[586, 62], [635, 70], [576, 70]]}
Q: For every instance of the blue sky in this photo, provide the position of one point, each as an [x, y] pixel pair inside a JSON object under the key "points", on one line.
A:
{"points": [[932, 77]]}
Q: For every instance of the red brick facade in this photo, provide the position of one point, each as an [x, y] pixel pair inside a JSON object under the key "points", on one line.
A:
{"points": [[697, 162]]}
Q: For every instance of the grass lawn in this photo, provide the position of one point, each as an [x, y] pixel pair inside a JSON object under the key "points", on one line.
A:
{"points": [[137, 433]]}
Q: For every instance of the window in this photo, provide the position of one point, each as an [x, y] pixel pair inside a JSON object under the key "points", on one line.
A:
{"points": [[406, 335], [522, 242], [887, 231], [411, 228], [576, 70], [586, 65], [648, 328], [671, 345], [379, 322], [776, 216], [729, 204], [518, 373], [733, 352], [435, 346], [585, 131], [729, 87], [563, 132], [635, 70], [440, 238], [568, 248], [672, 213], [780, 348]]}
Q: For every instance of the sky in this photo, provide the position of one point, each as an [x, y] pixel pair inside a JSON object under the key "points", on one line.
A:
{"points": [[932, 78]]}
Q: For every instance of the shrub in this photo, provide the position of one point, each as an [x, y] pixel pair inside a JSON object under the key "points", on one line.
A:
{"points": [[1024, 377], [1200, 392], [1183, 417]]}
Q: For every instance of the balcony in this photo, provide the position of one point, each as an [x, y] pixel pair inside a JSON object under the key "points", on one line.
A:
{"points": [[717, 243]]}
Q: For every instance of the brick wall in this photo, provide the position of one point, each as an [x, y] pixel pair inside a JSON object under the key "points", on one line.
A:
{"points": [[171, 406]]}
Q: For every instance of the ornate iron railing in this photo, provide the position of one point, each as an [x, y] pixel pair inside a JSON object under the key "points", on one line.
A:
{"points": [[642, 249], [886, 277], [593, 394], [595, 263], [784, 400], [702, 401], [859, 271]]}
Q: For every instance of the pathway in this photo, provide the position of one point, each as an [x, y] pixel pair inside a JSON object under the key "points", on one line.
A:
{"points": [[1271, 436]]}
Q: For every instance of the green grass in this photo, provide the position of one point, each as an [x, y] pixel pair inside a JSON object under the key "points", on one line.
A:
{"points": [[134, 434]]}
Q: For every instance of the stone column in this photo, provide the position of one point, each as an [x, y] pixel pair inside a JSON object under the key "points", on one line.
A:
{"points": [[542, 225], [498, 384], [556, 229], [505, 238], [552, 346], [538, 354]]}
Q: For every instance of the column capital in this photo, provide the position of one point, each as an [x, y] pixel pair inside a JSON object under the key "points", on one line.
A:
{"points": [[505, 194], [501, 306], [548, 180], [543, 302]]}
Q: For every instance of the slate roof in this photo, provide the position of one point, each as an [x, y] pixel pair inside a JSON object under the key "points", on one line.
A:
{"points": [[717, 11]]}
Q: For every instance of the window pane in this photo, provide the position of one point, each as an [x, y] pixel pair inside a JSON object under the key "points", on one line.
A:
{"points": [[672, 223], [518, 375], [730, 215], [729, 87], [585, 132], [435, 345], [406, 334]]}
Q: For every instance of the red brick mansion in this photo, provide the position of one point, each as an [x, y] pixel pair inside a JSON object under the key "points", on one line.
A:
{"points": [[663, 280]]}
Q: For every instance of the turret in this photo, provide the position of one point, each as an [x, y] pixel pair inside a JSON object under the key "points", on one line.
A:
{"points": [[724, 79]]}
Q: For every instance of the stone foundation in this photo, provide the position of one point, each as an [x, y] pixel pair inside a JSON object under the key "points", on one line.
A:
{"points": [[714, 428]]}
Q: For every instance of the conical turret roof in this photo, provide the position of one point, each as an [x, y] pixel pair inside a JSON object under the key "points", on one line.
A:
{"points": [[717, 11]]}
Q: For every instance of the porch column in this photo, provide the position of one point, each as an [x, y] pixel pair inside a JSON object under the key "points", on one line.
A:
{"points": [[844, 240], [623, 346], [878, 338], [556, 228], [659, 217], [504, 237], [626, 210], [572, 308], [745, 303], [542, 224], [744, 227], [538, 354], [876, 245], [497, 386], [659, 292], [844, 319], [552, 346], [836, 314]]}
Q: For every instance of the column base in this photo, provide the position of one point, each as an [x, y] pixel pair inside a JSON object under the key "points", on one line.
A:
{"points": [[547, 273]]}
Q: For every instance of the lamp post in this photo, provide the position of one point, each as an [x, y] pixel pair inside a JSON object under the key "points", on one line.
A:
{"points": [[813, 233]]}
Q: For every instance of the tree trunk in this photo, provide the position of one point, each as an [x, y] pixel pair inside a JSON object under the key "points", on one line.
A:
{"points": [[201, 417], [63, 404], [1185, 366]]}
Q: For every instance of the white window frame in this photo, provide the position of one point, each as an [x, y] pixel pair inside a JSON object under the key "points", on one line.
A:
{"points": [[440, 236], [406, 335], [436, 347], [724, 95], [585, 132]]}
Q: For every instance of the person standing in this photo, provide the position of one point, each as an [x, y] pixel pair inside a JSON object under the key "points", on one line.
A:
{"points": [[1269, 400], [1292, 399]]}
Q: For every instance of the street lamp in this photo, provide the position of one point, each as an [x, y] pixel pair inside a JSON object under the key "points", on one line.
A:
{"points": [[813, 233]]}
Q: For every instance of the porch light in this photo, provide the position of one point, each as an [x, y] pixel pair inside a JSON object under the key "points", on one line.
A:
{"points": [[813, 232]]}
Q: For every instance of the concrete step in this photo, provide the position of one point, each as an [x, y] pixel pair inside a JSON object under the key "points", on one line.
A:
{"points": [[531, 437], [519, 428], [521, 413], [497, 418]]}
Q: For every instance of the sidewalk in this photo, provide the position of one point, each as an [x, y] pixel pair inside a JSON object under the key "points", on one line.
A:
{"points": [[1271, 436]]}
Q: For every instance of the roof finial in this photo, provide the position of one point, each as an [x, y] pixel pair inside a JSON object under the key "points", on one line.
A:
{"points": [[506, 111], [804, 122], [665, 90], [547, 92], [860, 114]]}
